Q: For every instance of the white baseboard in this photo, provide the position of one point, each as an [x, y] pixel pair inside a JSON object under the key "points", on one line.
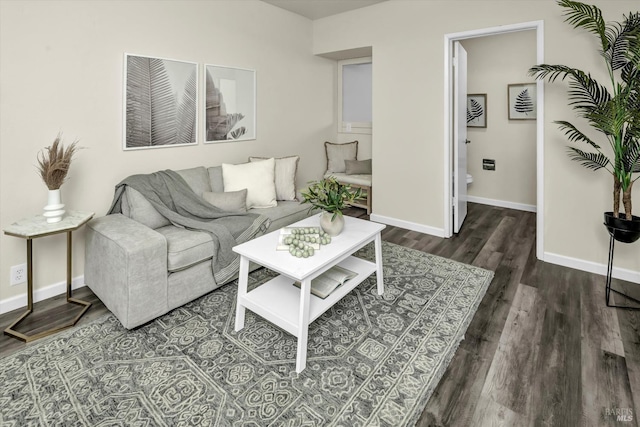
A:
{"points": [[438, 232], [502, 204], [592, 267], [20, 301]]}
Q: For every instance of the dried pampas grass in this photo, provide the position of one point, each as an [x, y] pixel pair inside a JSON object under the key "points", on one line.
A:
{"points": [[54, 162]]}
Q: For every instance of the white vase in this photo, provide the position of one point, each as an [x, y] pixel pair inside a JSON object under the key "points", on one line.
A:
{"points": [[332, 228], [55, 209]]}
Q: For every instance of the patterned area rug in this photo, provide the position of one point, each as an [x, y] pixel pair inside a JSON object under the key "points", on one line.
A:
{"points": [[372, 360]]}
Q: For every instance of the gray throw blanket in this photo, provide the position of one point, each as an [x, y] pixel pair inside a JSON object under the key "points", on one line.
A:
{"points": [[172, 197]]}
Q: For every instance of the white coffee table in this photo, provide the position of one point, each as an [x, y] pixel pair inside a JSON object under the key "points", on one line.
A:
{"points": [[292, 308]]}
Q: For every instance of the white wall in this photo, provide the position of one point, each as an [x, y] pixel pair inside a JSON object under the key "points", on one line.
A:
{"points": [[407, 38], [493, 63], [61, 69]]}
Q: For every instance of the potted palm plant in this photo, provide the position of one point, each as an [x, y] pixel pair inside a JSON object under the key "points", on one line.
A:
{"points": [[331, 196], [612, 109]]}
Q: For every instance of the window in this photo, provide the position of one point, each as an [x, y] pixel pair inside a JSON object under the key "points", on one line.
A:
{"points": [[354, 95]]}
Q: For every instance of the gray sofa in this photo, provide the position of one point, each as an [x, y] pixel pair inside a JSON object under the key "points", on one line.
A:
{"points": [[141, 266]]}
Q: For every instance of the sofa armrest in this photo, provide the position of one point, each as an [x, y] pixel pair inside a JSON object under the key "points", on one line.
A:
{"points": [[126, 267]]}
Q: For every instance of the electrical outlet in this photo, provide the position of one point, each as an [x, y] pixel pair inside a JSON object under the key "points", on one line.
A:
{"points": [[18, 274]]}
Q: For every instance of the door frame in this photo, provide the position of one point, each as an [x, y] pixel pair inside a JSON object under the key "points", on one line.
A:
{"points": [[459, 137], [449, 39]]}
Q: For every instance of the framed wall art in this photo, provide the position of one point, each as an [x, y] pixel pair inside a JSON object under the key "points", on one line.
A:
{"points": [[477, 110], [522, 101], [230, 104], [160, 102]]}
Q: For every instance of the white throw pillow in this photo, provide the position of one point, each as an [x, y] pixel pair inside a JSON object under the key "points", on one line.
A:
{"points": [[257, 177], [285, 176]]}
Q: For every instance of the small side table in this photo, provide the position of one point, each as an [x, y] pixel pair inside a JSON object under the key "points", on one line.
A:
{"points": [[32, 228]]}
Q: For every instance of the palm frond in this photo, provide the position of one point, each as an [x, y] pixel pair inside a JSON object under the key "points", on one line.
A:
{"points": [[631, 156], [552, 72], [574, 135], [622, 38], [629, 73], [138, 116], [585, 93], [610, 119], [631, 33], [187, 112], [588, 17], [163, 105], [474, 110], [593, 161]]}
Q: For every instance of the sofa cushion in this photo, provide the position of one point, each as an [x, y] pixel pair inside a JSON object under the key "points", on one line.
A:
{"points": [[230, 201], [186, 247], [138, 208], [256, 177], [363, 179], [284, 214], [215, 179], [197, 178], [285, 176]]}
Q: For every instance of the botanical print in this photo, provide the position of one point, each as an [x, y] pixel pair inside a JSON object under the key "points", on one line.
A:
{"points": [[477, 110], [522, 101], [230, 104], [161, 99]]}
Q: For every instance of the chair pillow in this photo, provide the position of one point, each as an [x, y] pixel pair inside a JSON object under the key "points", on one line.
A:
{"points": [[358, 167], [197, 178], [285, 176], [338, 153], [230, 201], [141, 210], [257, 177]]}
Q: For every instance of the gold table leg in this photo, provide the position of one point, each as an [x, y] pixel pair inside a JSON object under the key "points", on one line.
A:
{"points": [[27, 338]]}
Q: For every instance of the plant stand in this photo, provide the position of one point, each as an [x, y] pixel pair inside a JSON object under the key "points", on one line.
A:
{"points": [[609, 289], [33, 228]]}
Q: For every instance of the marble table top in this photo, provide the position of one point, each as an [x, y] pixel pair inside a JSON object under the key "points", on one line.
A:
{"points": [[38, 226]]}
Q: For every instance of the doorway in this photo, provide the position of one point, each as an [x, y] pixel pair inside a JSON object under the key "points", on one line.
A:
{"points": [[450, 39]]}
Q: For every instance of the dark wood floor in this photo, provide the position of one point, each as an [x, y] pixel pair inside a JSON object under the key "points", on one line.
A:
{"points": [[542, 349]]}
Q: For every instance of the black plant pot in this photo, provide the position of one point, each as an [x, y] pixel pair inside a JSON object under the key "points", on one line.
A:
{"points": [[623, 230]]}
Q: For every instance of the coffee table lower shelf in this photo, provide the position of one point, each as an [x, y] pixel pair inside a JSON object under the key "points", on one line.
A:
{"points": [[278, 300]]}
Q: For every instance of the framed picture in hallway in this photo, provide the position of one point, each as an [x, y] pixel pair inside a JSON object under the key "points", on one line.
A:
{"points": [[160, 102], [477, 110], [230, 106], [522, 101]]}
